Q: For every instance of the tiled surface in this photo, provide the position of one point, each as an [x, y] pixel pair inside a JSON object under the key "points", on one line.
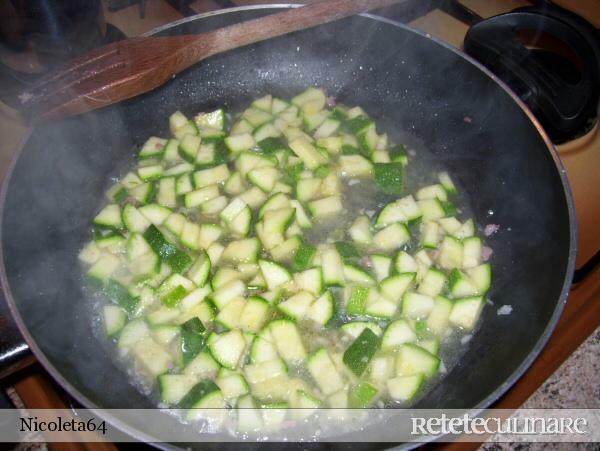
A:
{"points": [[158, 12], [442, 26], [487, 8]]}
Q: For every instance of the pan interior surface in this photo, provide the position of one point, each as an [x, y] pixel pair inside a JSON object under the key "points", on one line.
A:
{"points": [[432, 99]]}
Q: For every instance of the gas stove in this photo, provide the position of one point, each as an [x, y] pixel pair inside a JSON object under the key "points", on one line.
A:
{"points": [[449, 21]]}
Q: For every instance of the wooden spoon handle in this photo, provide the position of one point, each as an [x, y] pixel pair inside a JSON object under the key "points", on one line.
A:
{"points": [[278, 24]]}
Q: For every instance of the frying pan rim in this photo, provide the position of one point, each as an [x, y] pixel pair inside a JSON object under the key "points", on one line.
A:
{"points": [[486, 402]]}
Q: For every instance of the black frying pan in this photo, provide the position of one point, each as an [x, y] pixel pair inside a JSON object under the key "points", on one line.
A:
{"points": [[446, 106]]}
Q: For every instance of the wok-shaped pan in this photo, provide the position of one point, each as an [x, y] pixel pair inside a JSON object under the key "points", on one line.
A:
{"points": [[445, 106]]}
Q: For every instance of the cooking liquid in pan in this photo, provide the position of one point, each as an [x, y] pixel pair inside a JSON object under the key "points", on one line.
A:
{"points": [[360, 197]]}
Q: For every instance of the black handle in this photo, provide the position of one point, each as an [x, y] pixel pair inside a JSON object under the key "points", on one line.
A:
{"points": [[14, 351], [564, 106]]}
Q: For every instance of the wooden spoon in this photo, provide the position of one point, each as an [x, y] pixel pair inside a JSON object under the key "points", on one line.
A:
{"points": [[134, 66]]}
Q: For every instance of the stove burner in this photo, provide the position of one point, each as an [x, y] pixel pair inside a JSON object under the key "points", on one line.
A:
{"points": [[551, 58]]}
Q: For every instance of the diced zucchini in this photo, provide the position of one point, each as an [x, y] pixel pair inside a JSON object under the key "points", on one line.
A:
{"points": [[142, 193], [166, 192], [229, 316], [274, 274], [333, 271], [405, 388], [224, 294], [296, 306], [173, 387], [254, 315], [305, 150], [357, 275], [242, 251], [381, 265], [388, 177], [227, 348], [155, 213], [212, 207], [380, 307], [287, 340], [392, 237], [206, 177], [333, 144], [174, 223], [189, 146], [481, 276], [405, 263], [109, 216], [355, 328], [190, 234], [451, 253], [134, 220], [438, 319], [451, 225], [310, 95], [416, 305], [154, 358], [193, 338], [104, 267], [209, 233], [360, 231], [461, 285], [274, 202], [286, 251], [310, 280], [363, 395], [465, 312], [472, 251], [248, 415], [394, 287], [361, 351], [114, 319], [324, 372], [430, 234], [432, 209], [397, 333], [203, 366], [149, 173], [466, 230], [355, 166], [198, 197], [232, 386], [446, 182], [432, 192], [308, 189], [301, 216], [265, 132], [412, 359], [234, 184], [358, 300], [265, 178], [256, 117], [321, 311], [433, 283], [276, 221], [263, 349]]}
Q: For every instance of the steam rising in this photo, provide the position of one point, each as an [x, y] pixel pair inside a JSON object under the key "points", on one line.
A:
{"points": [[412, 84]]}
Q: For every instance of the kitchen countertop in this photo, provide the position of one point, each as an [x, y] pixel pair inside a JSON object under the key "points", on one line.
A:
{"points": [[576, 383]]}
